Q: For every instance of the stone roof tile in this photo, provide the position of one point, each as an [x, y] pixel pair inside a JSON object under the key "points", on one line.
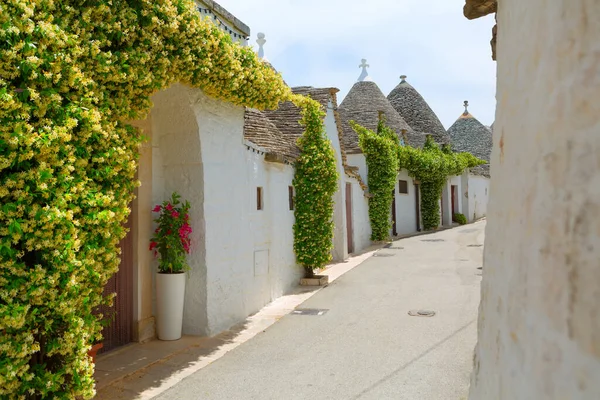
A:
{"points": [[416, 112]]}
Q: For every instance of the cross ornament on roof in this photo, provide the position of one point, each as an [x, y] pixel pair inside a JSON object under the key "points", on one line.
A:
{"points": [[261, 42], [364, 75]]}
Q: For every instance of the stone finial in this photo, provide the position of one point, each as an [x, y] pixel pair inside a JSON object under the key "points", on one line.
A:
{"points": [[261, 42], [403, 78], [466, 107], [364, 75]]}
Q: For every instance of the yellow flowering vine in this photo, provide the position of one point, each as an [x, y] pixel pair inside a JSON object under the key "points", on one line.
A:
{"points": [[71, 74]]}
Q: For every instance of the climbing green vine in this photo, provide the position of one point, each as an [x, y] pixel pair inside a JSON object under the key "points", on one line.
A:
{"points": [[431, 166], [315, 184], [71, 74], [381, 156]]}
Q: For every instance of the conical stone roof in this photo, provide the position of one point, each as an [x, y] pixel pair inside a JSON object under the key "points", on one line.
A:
{"points": [[416, 112], [470, 135], [362, 105]]}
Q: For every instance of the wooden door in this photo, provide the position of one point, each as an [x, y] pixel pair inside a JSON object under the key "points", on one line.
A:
{"points": [[418, 207], [349, 227], [119, 317], [454, 200], [394, 225]]}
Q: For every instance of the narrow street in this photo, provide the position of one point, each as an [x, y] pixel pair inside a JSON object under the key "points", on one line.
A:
{"points": [[365, 345]]}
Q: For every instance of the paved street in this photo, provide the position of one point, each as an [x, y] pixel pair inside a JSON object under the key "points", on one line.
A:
{"points": [[366, 346]]}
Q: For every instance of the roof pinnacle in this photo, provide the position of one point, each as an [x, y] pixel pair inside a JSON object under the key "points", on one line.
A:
{"points": [[261, 42], [403, 78], [466, 107], [364, 75]]}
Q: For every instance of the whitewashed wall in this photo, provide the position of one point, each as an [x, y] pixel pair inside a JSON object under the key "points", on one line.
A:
{"points": [[359, 160], [360, 217], [177, 166], [475, 196], [539, 321], [340, 240], [242, 258], [406, 217], [274, 271]]}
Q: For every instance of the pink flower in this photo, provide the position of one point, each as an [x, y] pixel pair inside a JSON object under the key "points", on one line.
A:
{"points": [[169, 207], [174, 214], [153, 245]]}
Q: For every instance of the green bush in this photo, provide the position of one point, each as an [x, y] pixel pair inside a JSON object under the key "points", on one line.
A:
{"points": [[460, 218], [381, 156]]}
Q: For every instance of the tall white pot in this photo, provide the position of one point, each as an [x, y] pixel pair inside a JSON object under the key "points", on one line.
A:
{"points": [[170, 294]]}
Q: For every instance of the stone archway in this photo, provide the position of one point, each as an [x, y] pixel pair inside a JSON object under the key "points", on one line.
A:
{"points": [[171, 160]]}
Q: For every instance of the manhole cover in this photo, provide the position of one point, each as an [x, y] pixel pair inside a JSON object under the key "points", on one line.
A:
{"points": [[383, 254], [475, 245], [468, 230], [432, 240], [421, 313], [309, 311]]}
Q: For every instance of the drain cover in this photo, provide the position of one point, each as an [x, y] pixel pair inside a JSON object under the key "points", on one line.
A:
{"points": [[479, 267], [378, 254], [421, 313], [432, 240], [475, 245], [309, 311]]}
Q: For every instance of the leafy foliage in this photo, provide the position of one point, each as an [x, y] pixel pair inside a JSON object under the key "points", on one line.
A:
{"points": [[71, 73], [381, 156], [460, 218], [315, 184], [171, 239], [431, 166]]}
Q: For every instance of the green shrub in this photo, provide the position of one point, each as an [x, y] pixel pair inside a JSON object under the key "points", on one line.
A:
{"points": [[460, 218]]}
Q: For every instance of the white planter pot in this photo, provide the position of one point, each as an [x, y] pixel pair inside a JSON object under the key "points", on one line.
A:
{"points": [[170, 294]]}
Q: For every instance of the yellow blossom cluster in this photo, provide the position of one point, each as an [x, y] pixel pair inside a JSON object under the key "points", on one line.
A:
{"points": [[71, 74]]}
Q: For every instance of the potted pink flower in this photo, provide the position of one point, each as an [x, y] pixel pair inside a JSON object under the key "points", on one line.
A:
{"points": [[171, 244]]}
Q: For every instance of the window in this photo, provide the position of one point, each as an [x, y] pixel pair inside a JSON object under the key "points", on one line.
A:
{"points": [[403, 187], [291, 197], [259, 198]]}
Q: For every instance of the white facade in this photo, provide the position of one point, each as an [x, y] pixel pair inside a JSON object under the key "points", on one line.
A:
{"points": [[242, 258], [475, 196], [405, 204], [361, 232], [539, 320]]}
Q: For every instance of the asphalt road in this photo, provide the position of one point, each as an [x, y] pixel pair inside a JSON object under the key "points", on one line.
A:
{"points": [[366, 345]]}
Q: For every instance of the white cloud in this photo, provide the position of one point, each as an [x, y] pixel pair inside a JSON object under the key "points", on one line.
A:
{"points": [[321, 42]]}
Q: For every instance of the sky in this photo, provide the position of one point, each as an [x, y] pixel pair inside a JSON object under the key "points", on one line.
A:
{"points": [[320, 43]]}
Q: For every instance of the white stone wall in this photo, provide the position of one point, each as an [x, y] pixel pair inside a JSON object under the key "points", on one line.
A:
{"points": [[242, 258], [340, 239], [359, 160], [406, 217], [177, 166], [539, 323], [270, 242], [475, 196], [360, 217]]}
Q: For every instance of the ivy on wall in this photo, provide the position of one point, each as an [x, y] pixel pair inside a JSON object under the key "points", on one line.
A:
{"points": [[431, 166], [71, 73], [315, 183], [381, 155]]}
